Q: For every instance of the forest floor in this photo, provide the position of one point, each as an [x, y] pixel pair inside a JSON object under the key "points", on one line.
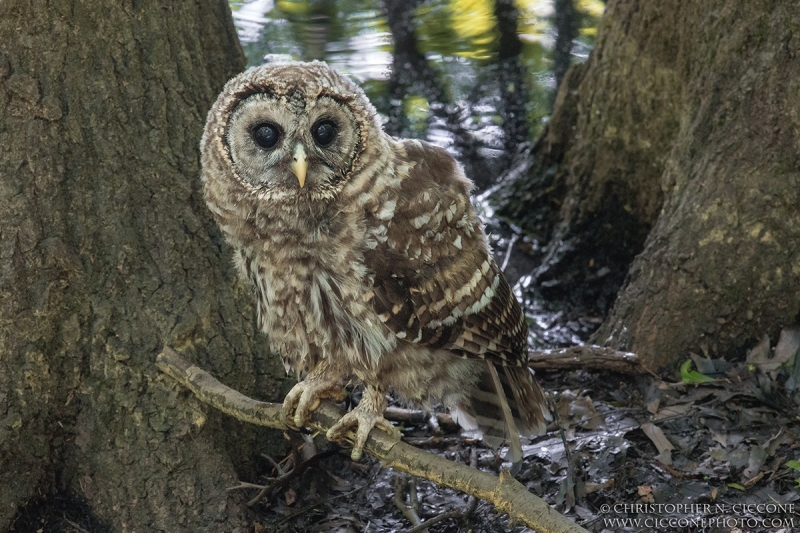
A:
{"points": [[713, 448], [700, 457]]}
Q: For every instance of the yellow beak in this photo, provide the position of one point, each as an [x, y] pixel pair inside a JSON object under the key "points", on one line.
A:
{"points": [[299, 164]]}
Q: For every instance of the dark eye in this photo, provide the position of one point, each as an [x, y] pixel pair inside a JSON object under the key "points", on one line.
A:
{"points": [[266, 135], [324, 132]]}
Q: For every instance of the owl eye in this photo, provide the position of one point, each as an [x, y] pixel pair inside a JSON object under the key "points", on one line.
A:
{"points": [[324, 132], [266, 135]]}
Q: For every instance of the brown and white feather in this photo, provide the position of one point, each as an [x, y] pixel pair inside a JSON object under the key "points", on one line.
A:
{"points": [[379, 265]]}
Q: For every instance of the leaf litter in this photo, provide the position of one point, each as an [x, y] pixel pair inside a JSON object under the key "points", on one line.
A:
{"points": [[711, 448], [727, 445]]}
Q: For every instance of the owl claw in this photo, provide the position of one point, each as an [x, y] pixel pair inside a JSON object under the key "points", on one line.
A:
{"points": [[364, 417], [305, 397]]}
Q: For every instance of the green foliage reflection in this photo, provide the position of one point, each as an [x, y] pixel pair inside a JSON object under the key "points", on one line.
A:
{"points": [[459, 38]]}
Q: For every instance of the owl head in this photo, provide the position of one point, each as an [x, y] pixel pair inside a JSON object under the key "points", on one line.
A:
{"points": [[289, 132]]}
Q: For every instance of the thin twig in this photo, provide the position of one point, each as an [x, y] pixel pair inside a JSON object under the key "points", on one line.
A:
{"points": [[76, 526], [317, 504], [438, 442], [282, 481], [436, 519], [472, 502], [413, 498], [511, 242], [413, 416], [276, 466], [245, 485], [409, 511]]}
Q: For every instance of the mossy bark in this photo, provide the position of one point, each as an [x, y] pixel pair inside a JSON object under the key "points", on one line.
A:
{"points": [[722, 265], [681, 129], [107, 253]]}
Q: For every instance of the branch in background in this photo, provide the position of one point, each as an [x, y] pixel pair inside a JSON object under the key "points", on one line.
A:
{"points": [[413, 416], [506, 493], [588, 357]]}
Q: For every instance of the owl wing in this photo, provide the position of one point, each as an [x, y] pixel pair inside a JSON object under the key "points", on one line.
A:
{"points": [[436, 283]]}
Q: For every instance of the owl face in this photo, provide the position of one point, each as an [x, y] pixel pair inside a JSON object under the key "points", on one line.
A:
{"points": [[296, 132]]}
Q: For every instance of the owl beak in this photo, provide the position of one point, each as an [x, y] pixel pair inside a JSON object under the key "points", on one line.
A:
{"points": [[299, 164]]}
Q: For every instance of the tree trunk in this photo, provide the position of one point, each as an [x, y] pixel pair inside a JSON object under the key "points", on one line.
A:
{"points": [[107, 254], [684, 120]]}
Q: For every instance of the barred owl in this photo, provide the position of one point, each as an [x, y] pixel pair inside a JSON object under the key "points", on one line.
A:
{"points": [[368, 262]]}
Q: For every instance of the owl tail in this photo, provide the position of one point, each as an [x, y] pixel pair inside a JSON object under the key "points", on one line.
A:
{"points": [[506, 403]]}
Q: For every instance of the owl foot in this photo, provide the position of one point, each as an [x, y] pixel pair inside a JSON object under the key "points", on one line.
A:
{"points": [[305, 397], [365, 416]]}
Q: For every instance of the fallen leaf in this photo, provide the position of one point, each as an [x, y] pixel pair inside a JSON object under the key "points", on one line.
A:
{"points": [[692, 376], [704, 364], [759, 355], [721, 438], [757, 457], [793, 464], [788, 345], [718, 454], [583, 512], [664, 446], [584, 413], [653, 406]]}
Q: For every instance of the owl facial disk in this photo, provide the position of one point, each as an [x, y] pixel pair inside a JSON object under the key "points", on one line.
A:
{"points": [[300, 163], [294, 144]]}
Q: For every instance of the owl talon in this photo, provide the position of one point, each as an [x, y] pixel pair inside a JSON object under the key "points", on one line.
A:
{"points": [[305, 398], [364, 417]]}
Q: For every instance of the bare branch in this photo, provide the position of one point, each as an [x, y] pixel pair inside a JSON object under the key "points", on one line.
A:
{"points": [[420, 528], [411, 416], [504, 492], [587, 356]]}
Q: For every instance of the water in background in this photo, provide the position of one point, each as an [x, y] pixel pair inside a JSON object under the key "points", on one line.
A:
{"points": [[453, 90]]}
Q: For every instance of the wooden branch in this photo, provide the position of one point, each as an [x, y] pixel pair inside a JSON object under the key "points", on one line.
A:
{"points": [[412, 416], [506, 493], [587, 356]]}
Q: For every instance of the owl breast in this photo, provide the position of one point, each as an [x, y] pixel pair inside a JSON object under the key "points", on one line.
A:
{"points": [[311, 288]]}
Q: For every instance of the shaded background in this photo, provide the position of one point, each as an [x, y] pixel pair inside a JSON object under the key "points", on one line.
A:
{"points": [[476, 77]]}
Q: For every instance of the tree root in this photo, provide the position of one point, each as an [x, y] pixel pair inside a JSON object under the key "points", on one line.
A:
{"points": [[504, 492]]}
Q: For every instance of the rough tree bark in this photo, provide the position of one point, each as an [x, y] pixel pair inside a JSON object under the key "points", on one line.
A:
{"points": [[684, 121], [107, 254]]}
